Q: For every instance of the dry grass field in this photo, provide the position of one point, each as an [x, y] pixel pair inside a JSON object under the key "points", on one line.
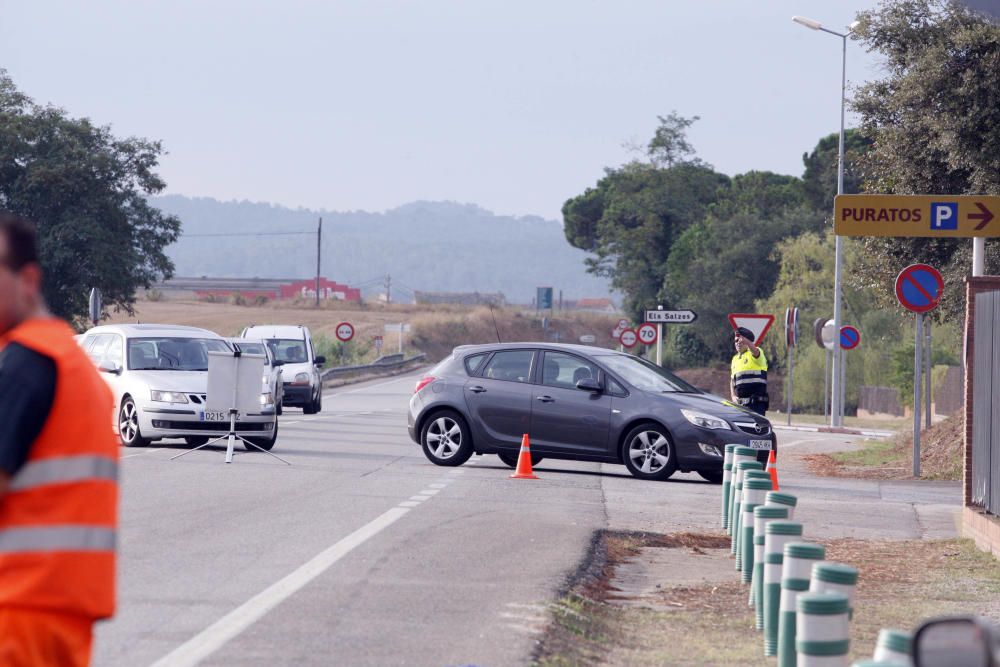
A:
{"points": [[435, 329]]}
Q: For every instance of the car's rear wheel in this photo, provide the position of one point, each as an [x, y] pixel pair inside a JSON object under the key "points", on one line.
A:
{"points": [[511, 458], [445, 439], [648, 453], [196, 440], [128, 425], [264, 443], [715, 476]]}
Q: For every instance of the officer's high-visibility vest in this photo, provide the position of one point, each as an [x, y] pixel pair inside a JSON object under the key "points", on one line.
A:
{"points": [[750, 375], [58, 517]]}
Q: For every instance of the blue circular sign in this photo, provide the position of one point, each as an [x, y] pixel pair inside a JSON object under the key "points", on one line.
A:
{"points": [[850, 337], [919, 287]]}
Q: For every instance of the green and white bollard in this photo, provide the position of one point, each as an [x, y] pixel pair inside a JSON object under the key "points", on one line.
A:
{"points": [[894, 646], [835, 577], [752, 473], [796, 569], [754, 491], [783, 499], [740, 455], [776, 535], [821, 629], [727, 483], [734, 513], [762, 516]]}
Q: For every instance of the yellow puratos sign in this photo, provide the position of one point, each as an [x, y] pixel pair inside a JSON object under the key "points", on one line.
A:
{"points": [[932, 216]]}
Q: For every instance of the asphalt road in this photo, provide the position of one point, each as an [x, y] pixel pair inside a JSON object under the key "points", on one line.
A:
{"points": [[359, 553], [363, 553]]}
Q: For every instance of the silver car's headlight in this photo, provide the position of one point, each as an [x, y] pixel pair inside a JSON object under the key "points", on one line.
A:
{"points": [[266, 399], [167, 396], [706, 421]]}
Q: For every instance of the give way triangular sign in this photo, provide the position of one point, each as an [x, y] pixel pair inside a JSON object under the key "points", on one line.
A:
{"points": [[758, 324]]}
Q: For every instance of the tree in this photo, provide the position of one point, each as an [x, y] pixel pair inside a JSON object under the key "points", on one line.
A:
{"points": [[820, 177], [87, 191], [633, 216], [935, 123]]}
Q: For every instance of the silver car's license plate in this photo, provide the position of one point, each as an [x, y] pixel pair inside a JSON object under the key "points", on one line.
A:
{"points": [[760, 444], [218, 416]]}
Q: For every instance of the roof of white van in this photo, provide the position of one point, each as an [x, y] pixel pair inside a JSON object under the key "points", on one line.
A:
{"points": [[275, 331]]}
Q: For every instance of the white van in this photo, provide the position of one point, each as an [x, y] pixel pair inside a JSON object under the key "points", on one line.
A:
{"points": [[292, 345]]}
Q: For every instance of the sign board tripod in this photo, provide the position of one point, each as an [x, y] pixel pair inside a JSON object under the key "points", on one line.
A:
{"points": [[234, 387]]}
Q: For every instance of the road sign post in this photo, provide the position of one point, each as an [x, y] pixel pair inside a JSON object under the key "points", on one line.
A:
{"points": [[95, 305], [791, 339], [927, 374], [918, 288]]}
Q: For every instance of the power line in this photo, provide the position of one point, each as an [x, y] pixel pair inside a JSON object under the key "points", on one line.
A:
{"points": [[252, 234]]}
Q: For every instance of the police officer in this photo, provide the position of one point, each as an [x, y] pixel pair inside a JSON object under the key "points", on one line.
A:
{"points": [[58, 470], [749, 373]]}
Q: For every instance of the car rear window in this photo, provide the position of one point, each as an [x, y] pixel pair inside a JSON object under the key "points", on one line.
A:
{"points": [[474, 361]]}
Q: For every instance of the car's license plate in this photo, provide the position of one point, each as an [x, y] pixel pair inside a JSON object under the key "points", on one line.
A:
{"points": [[216, 416], [760, 444]]}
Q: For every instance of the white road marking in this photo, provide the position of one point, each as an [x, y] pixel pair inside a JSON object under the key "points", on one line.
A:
{"points": [[430, 492], [793, 443], [440, 485], [333, 416], [421, 498], [408, 503], [148, 451], [235, 622], [380, 384]]}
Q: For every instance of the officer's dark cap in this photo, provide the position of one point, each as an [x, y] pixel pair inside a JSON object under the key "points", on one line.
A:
{"points": [[746, 333]]}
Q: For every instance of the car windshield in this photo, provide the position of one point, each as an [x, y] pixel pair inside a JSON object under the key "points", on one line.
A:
{"points": [[172, 354], [288, 350], [644, 375]]}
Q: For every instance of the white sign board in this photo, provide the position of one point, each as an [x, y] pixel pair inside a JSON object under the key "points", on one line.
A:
{"points": [[397, 328], [233, 382], [671, 316], [588, 339]]}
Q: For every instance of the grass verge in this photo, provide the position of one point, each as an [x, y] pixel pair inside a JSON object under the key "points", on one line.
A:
{"points": [[710, 624]]}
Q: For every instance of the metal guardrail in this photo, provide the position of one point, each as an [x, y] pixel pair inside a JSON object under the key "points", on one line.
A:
{"points": [[389, 362]]}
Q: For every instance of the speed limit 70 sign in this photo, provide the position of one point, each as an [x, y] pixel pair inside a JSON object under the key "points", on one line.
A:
{"points": [[647, 334]]}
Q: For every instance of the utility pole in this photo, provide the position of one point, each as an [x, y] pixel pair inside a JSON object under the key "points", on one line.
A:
{"points": [[319, 237], [388, 288]]}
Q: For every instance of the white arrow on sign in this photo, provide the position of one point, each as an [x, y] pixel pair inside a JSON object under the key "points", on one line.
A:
{"points": [[671, 316]]}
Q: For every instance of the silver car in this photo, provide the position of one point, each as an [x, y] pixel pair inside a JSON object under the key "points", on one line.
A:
{"points": [[158, 374], [272, 387]]}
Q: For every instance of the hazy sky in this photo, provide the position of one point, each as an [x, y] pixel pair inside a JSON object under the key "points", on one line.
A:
{"points": [[369, 104]]}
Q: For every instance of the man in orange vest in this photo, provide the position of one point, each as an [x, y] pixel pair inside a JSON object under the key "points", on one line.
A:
{"points": [[58, 471]]}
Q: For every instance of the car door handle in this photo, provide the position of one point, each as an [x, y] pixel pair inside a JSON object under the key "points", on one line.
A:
{"points": [[477, 389], [546, 399]]}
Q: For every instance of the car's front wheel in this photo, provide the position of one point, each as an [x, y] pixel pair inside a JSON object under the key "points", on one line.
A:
{"points": [[266, 442], [511, 459], [445, 439], [648, 453], [128, 425]]}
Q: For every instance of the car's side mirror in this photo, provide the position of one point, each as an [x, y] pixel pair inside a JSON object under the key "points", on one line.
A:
{"points": [[952, 641], [589, 384], [277, 362], [108, 366], [320, 360]]}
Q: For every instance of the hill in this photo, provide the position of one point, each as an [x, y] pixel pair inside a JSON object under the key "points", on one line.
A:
{"points": [[433, 246]]}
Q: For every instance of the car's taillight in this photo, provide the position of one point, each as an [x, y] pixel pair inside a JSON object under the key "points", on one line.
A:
{"points": [[423, 382]]}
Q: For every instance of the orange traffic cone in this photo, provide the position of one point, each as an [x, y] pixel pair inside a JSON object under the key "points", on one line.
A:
{"points": [[524, 461], [772, 469]]}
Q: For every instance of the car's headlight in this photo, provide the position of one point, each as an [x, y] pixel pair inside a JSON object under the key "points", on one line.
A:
{"points": [[705, 421], [167, 396], [301, 378], [266, 400]]}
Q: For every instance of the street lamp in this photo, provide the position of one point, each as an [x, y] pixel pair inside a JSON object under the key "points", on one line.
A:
{"points": [[836, 386]]}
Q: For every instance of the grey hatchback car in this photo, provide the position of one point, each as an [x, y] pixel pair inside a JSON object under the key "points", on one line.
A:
{"points": [[579, 403]]}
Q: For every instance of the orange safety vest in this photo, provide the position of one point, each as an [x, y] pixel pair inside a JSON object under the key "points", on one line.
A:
{"points": [[58, 517]]}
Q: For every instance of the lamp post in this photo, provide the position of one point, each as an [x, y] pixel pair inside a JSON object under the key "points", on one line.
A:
{"points": [[837, 386]]}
